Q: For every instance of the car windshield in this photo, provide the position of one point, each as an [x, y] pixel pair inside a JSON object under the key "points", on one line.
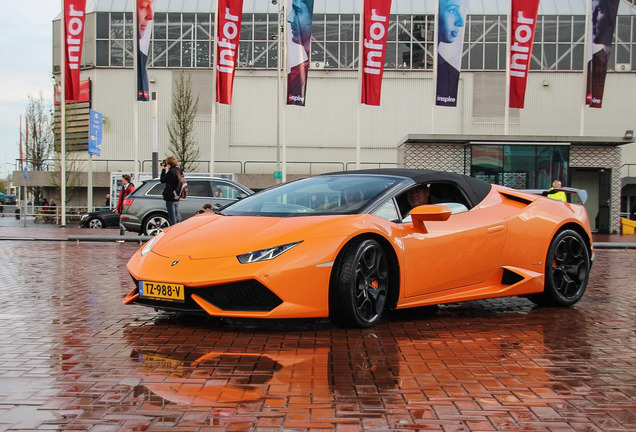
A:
{"points": [[329, 194]]}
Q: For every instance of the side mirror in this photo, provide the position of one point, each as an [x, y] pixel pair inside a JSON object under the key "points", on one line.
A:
{"points": [[428, 213]]}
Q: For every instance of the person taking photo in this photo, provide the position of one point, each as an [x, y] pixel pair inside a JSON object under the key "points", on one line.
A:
{"points": [[170, 176]]}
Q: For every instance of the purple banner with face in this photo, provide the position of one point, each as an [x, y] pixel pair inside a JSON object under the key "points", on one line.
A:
{"points": [[451, 22], [299, 20], [145, 17], [602, 23]]}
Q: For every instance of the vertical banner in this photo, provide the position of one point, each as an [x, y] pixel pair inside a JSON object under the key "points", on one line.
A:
{"points": [[145, 16], [601, 24], [451, 22], [373, 48], [74, 13], [228, 35], [524, 22], [299, 20]]}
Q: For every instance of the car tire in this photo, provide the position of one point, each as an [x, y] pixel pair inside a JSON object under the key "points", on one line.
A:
{"points": [[155, 223], [360, 284], [95, 223], [567, 270]]}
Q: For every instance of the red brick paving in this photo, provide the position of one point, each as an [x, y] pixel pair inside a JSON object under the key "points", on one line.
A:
{"points": [[74, 358]]}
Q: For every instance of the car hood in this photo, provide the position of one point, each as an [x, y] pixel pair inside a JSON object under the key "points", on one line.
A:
{"points": [[214, 236]]}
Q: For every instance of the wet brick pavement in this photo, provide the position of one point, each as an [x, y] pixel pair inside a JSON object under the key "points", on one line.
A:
{"points": [[74, 358]]}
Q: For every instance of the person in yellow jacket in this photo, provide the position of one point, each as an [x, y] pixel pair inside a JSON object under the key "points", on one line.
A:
{"points": [[557, 195]]}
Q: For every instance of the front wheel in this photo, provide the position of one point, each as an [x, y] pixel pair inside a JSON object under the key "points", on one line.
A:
{"points": [[359, 288], [567, 270], [155, 224], [96, 223]]}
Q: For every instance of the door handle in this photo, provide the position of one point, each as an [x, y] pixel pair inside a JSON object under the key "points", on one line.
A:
{"points": [[495, 229]]}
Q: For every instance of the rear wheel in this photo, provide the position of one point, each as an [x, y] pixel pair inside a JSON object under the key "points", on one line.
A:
{"points": [[358, 291], [155, 223], [96, 223], [567, 270]]}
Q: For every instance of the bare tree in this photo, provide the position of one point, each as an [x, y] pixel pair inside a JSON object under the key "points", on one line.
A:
{"points": [[38, 140], [181, 127]]}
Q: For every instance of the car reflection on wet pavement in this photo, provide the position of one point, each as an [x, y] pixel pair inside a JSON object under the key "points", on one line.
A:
{"points": [[74, 358]]}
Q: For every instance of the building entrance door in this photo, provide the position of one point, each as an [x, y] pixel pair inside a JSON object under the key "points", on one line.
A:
{"points": [[597, 183]]}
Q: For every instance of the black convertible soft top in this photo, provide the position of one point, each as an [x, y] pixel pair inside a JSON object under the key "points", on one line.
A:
{"points": [[476, 190]]}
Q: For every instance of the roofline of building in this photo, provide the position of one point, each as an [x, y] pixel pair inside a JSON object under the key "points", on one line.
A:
{"points": [[588, 141]]}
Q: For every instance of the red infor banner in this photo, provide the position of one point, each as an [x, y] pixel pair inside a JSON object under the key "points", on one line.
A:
{"points": [[228, 35], [524, 22], [74, 13], [375, 30]]}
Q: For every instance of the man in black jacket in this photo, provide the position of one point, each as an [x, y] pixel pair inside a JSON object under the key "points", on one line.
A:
{"points": [[171, 179]]}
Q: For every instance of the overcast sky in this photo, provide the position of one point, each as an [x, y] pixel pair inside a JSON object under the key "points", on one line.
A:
{"points": [[25, 50]]}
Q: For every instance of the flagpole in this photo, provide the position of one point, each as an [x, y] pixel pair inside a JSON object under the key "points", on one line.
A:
{"points": [[215, 51], [360, 61], [282, 100], [136, 92], [435, 55], [507, 95], [586, 47], [62, 117]]}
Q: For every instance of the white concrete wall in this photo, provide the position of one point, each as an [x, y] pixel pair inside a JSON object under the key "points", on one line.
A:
{"points": [[325, 130]]}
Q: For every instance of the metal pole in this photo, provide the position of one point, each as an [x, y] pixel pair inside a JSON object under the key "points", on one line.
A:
{"points": [[215, 52], [136, 102], [507, 95], [283, 99], [279, 73], [155, 144], [360, 61], [90, 183], [62, 118]]}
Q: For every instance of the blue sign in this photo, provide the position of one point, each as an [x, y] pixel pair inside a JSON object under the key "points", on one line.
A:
{"points": [[26, 173], [95, 133]]}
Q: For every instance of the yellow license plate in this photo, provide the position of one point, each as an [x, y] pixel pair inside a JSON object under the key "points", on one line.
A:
{"points": [[161, 291]]}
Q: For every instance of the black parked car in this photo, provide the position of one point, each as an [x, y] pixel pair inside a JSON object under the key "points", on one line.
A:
{"points": [[100, 219]]}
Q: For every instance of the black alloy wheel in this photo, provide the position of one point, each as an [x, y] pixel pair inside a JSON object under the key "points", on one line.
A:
{"points": [[567, 270], [96, 223], [359, 291]]}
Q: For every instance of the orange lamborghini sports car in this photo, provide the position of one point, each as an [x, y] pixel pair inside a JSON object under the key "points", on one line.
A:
{"points": [[351, 245]]}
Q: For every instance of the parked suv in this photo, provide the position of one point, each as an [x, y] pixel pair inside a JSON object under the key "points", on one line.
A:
{"points": [[144, 210]]}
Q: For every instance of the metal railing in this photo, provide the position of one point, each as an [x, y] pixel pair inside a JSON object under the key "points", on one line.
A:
{"points": [[44, 214], [240, 167]]}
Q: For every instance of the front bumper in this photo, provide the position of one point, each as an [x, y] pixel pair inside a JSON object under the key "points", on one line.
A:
{"points": [[256, 290]]}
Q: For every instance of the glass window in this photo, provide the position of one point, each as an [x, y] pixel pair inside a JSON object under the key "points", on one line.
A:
{"points": [[387, 211], [159, 57], [203, 54], [117, 26], [199, 188], [103, 21], [520, 166], [116, 53], [102, 52]]}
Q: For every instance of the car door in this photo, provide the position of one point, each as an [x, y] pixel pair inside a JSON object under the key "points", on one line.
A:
{"points": [[461, 251], [199, 193]]}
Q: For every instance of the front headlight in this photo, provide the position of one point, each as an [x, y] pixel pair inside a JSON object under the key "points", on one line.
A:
{"points": [[148, 246], [265, 254], [84, 217]]}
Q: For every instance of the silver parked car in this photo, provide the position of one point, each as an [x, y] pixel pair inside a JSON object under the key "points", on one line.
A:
{"points": [[144, 210]]}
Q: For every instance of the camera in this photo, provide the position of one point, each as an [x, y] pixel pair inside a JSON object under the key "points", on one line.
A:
{"points": [[163, 163]]}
